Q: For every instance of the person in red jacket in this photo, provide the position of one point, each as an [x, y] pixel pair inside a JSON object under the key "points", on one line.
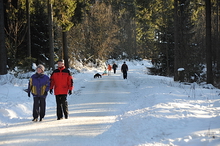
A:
{"points": [[62, 82], [109, 69]]}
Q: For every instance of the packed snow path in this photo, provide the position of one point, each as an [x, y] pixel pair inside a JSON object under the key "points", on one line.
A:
{"points": [[91, 114], [143, 110]]}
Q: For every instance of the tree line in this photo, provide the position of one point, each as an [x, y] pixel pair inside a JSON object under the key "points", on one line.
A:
{"points": [[172, 33]]}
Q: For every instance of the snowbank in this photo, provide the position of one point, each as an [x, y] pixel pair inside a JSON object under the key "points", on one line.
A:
{"points": [[158, 111]]}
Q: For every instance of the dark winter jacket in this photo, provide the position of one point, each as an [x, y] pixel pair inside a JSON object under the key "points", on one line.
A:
{"points": [[39, 85], [114, 66], [124, 68], [61, 81]]}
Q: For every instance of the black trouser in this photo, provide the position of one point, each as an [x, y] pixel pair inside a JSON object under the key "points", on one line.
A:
{"points": [[39, 107], [62, 106], [114, 70], [125, 74]]}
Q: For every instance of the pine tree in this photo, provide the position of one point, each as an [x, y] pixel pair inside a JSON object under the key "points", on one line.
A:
{"points": [[208, 42], [39, 32], [64, 11], [3, 58], [51, 33], [28, 35]]}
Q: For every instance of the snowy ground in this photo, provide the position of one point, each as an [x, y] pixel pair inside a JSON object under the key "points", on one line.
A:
{"points": [[142, 110]]}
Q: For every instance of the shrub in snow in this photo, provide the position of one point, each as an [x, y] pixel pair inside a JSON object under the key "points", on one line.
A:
{"points": [[81, 66], [208, 86], [24, 65], [5, 79]]}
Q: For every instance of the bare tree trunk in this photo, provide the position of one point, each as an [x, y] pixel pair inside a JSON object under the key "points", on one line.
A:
{"points": [[134, 37], [65, 49], [208, 43], [176, 45], [28, 30], [51, 34], [3, 54], [218, 41], [166, 38]]}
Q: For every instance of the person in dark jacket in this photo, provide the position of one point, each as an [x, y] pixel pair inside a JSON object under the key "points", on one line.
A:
{"points": [[39, 85], [124, 70], [62, 83], [114, 66]]}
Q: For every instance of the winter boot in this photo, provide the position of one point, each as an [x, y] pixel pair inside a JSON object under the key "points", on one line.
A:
{"points": [[34, 120]]}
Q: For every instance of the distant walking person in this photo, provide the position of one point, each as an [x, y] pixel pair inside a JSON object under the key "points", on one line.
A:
{"points": [[39, 85], [109, 69], [62, 83], [114, 66], [124, 70]]}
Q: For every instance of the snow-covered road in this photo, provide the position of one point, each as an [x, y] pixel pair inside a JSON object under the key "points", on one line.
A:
{"points": [[92, 112], [144, 110]]}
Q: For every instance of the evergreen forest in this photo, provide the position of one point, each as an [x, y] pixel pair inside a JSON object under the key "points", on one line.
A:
{"points": [[173, 34]]}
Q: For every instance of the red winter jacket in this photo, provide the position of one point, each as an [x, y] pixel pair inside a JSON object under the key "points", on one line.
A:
{"points": [[61, 81]]}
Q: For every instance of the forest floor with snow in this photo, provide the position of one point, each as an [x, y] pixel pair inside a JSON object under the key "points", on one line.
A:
{"points": [[144, 110]]}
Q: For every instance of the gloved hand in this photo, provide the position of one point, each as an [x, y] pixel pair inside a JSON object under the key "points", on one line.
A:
{"points": [[51, 91], [29, 94], [70, 92]]}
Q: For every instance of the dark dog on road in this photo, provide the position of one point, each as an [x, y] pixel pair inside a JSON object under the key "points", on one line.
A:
{"points": [[97, 75]]}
